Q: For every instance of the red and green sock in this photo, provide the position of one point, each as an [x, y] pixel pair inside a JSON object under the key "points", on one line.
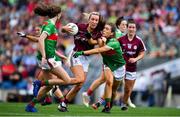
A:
{"points": [[108, 102], [89, 92], [61, 99], [45, 83]]}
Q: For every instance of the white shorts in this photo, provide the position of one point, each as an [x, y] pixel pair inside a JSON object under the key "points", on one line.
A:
{"points": [[84, 61], [131, 75], [118, 73], [51, 63]]}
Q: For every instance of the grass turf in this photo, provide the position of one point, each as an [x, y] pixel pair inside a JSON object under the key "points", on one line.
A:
{"points": [[17, 109]]}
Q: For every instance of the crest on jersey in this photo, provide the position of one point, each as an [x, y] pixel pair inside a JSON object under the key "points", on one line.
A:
{"points": [[129, 46], [135, 47]]}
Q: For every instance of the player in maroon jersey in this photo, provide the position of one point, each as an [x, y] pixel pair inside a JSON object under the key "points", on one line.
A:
{"points": [[88, 35], [133, 50]]}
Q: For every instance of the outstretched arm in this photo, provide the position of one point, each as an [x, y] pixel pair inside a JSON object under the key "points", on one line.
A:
{"points": [[29, 37], [35, 39], [92, 51], [97, 50], [32, 38]]}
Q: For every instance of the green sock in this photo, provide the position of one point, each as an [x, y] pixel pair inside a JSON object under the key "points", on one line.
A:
{"points": [[33, 102], [45, 83]]}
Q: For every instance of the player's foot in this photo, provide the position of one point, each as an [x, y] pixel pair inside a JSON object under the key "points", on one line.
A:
{"points": [[111, 104], [130, 104], [124, 107], [96, 105], [62, 107], [106, 109], [30, 108], [36, 87], [46, 101], [85, 99]]}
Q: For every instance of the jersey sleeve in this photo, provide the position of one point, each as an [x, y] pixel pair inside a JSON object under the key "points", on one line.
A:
{"points": [[141, 46], [47, 29]]}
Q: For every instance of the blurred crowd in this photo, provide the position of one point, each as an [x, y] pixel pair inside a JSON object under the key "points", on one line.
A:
{"points": [[158, 25]]}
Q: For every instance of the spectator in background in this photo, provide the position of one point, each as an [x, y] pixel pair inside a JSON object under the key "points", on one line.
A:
{"points": [[17, 81], [7, 69]]}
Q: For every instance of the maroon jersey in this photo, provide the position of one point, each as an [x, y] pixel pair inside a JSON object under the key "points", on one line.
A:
{"points": [[131, 49], [80, 40]]}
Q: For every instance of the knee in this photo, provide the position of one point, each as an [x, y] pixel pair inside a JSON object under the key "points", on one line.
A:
{"points": [[81, 81]]}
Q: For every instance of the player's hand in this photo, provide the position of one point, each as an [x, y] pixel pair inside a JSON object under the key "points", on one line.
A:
{"points": [[132, 60], [104, 39], [67, 29], [88, 35], [21, 34], [43, 61], [78, 53]]}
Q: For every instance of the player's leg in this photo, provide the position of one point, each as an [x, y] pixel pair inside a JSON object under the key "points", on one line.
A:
{"points": [[119, 75], [62, 105], [108, 90], [47, 98], [94, 85], [119, 93], [62, 79], [41, 76], [81, 76], [31, 106], [127, 92], [115, 87], [55, 67], [79, 68]]}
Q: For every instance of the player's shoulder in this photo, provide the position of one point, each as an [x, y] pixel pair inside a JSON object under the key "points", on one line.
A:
{"points": [[122, 38], [48, 24], [138, 39], [82, 26], [113, 41]]}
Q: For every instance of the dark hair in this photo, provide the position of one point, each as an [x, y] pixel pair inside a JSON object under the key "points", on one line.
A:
{"points": [[113, 27], [101, 22], [49, 10], [118, 21], [131, 21]]}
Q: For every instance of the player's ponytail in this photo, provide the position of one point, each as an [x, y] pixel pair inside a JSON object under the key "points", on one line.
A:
{"points": [[101, 23], [49, 10]]}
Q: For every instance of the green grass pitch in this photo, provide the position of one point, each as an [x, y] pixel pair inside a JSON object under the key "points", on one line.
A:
{"points": [[17, 109]]}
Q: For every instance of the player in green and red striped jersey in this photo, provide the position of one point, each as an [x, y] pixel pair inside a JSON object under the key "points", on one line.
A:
{"points": [[114, 63], [121, 27], [55, 90], [47, 58]]}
